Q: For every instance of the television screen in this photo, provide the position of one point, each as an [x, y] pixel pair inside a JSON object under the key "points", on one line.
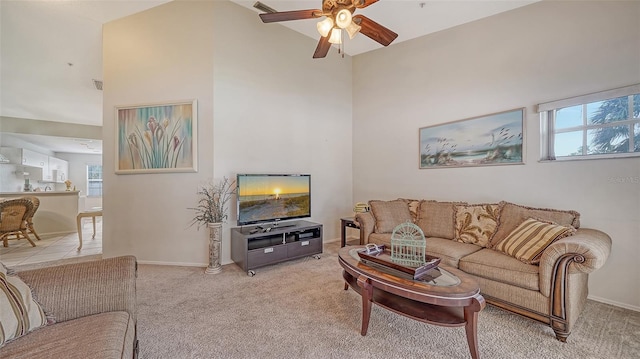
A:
{"points": [[271, 197]]}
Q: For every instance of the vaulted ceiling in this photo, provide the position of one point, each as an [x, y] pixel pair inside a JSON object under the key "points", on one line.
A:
{"points": [[51, 51]]}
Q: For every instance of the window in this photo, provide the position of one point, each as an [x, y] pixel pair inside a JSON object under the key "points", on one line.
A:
{"points": [[94, 181], [600, 125]]}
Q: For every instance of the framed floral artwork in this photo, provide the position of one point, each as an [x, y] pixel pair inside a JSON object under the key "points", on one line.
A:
{"points": [[490, 140], [157, 138]]}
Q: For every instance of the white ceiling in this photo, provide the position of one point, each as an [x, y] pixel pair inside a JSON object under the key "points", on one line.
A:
{"points": [[58, 144], [408, 18], [51, 50]]}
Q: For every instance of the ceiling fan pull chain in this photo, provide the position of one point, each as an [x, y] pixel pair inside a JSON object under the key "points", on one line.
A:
{"points": [[341, 43]]}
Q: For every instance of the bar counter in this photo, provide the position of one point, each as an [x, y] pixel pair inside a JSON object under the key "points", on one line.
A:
{"points": [[37, 193], [56, 214]]}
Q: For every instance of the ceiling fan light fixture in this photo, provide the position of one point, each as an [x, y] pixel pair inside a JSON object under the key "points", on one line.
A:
{"points": [[353, 29], [334, 17], [336, 36], [325, 26], [343, 18]]}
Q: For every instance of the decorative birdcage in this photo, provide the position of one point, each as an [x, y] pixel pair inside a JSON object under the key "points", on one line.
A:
{"points": [[408, 245]]}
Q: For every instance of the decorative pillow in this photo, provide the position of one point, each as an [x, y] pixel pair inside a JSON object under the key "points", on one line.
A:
{"points": [[436, 219], [511, 215], [389, 214], [476, 223], [527, 242], [413, 207], [20, 313]]}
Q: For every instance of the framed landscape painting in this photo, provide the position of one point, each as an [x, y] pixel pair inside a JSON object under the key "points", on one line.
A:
{"points": [[157, 138], [490, 140]]}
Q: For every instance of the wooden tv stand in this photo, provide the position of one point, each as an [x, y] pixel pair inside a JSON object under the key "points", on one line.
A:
{"points": [[258, 246]]}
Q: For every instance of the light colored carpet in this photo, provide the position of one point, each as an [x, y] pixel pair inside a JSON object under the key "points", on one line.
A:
{"points": [[299, 309]]}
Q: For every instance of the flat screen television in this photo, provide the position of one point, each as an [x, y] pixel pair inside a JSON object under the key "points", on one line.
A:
{"points": [[272, 197]]}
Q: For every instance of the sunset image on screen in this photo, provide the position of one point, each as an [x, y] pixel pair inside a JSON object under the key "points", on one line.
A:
{"points": [[273, 197]]}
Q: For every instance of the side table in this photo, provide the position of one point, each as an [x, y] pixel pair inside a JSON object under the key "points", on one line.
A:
{"points": [[344, 223]]}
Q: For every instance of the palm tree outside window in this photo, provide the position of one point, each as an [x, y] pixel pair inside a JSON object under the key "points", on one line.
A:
{"points": [[599, 125]]}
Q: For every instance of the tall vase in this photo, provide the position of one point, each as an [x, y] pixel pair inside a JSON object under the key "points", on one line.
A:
{"points": [[215, 237]]}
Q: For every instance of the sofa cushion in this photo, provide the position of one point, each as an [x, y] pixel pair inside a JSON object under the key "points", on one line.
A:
{"points": [[380, 238], [436, 219], [413, 205], [106, 335], [20, 312], [389, 214], [449, 251], [476, 223], [527, 242], [493, 265], [511, 215]]}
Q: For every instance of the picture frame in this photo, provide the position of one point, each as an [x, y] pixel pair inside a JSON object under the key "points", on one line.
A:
{"points": [[489, 140], [157, 138]]}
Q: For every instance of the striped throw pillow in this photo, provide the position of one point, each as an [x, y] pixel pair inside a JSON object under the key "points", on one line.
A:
{"points": [[527, 242], [20, 313]]}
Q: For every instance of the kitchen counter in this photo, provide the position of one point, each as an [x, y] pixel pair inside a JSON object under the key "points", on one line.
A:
{"points": [[37, 193], [56, 214]]}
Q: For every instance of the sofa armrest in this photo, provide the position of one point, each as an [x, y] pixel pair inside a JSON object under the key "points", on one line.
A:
{"points": [[367, 223], [583, 252], [76, 290]]}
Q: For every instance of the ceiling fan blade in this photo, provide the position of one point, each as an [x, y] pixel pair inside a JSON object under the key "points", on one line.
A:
{"points": [[360, 4], [323, 48], [375, 31], [290, 15]]}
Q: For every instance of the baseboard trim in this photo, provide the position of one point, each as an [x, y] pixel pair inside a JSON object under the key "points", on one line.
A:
{"points": [[175, 264], [614, 303]]}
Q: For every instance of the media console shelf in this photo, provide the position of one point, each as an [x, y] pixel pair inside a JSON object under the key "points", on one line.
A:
{"points": [[258, 246]]}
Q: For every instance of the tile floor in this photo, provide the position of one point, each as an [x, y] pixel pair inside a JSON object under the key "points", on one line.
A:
{"points": [[52, 247]]}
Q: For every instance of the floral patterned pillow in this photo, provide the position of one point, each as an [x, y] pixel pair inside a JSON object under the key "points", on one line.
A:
{"points": [[476, 223], [413, 207]]}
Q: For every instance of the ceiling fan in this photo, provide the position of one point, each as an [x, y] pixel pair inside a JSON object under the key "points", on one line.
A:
{"points": [[339, 17]]}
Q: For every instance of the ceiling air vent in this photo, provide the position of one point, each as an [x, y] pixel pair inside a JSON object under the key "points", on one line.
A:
{"points": [[97, 84], [262, 7]]}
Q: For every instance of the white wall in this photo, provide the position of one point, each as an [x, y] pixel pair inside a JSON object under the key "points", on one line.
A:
{"points": [[160, 55], [538, 53], [263, 106], [278, 110]]}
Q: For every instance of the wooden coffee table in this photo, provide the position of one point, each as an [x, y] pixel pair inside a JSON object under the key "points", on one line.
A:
{"points": [[446, 297]]}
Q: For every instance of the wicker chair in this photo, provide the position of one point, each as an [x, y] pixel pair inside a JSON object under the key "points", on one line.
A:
{"points": [[36, 203], [13, 219]]}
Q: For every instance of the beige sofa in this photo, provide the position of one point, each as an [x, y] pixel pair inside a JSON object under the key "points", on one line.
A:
{"points": [[467, 237], [94, 307]]}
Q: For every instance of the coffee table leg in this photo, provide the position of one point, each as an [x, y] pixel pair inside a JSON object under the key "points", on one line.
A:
{"points": [[471, 326], [367, 297]]}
